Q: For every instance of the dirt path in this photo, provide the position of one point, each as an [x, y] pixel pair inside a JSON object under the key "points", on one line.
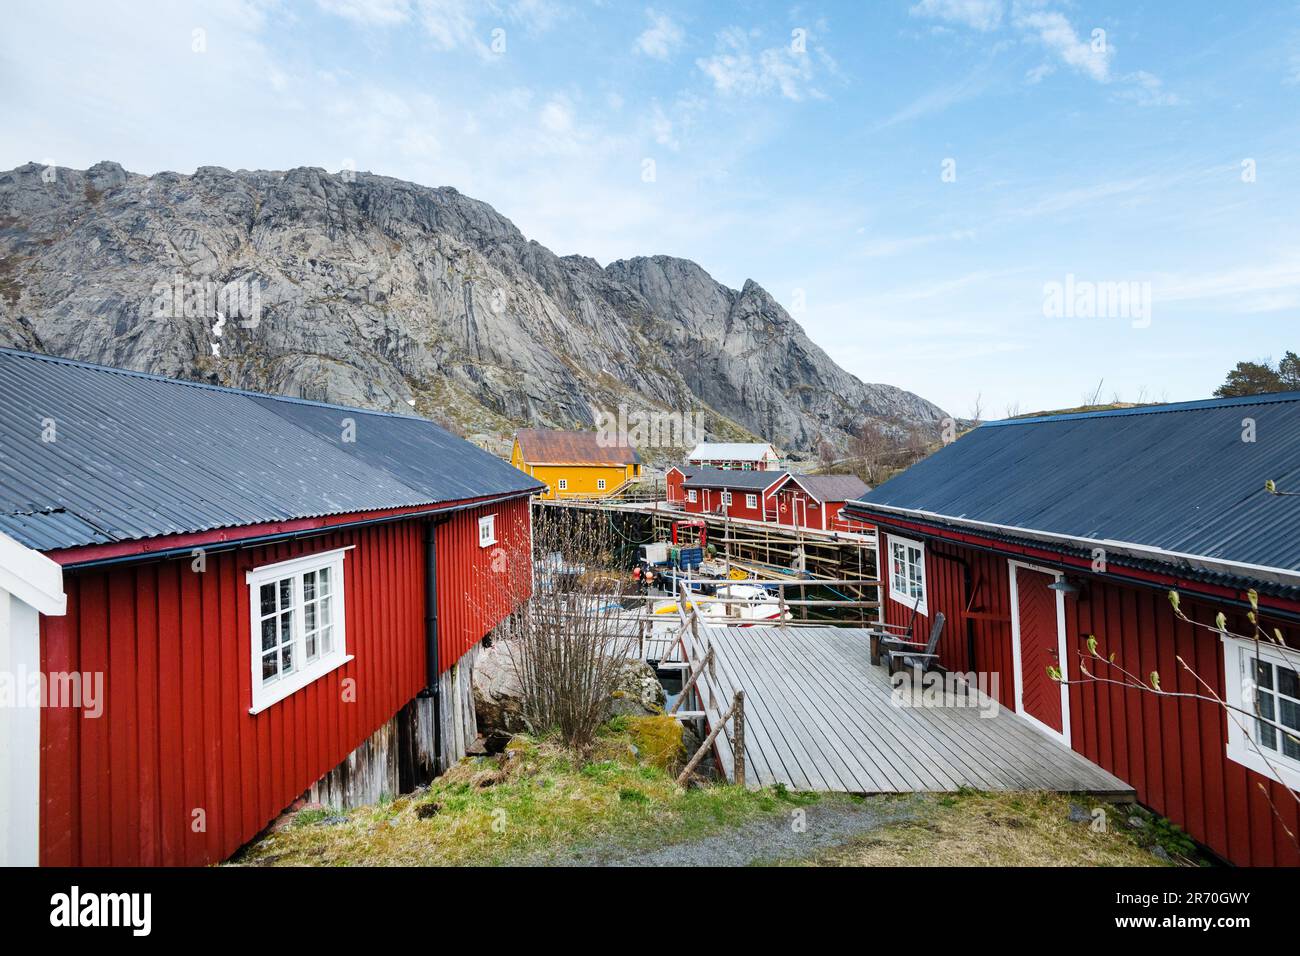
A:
{"points": [[795, 834]]}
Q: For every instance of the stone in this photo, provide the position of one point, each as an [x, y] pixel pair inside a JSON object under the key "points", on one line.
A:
{"points": [[497, 702], [377, 292], [1079, 814]]}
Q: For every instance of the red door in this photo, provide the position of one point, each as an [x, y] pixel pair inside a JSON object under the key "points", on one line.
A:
{"points": [[1039, 641]]}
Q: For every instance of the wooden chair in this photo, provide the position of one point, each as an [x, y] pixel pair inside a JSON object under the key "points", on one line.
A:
{"points": [[905, 654], [883, 632]]}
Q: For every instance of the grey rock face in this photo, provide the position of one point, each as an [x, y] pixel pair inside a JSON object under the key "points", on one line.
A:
{"points": [[371, 291]]}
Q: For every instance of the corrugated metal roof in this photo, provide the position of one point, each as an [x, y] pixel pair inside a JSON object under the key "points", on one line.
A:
{"points": [[137, 456], [1179, 478], [833, 487], [553, 446], [732, 478], [732, 451]]}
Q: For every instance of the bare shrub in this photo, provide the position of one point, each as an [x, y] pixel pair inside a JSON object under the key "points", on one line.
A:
{"points": [[570, 642]]}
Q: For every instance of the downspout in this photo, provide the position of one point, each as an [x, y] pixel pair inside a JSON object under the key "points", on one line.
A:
{"points": [[431, 657]]}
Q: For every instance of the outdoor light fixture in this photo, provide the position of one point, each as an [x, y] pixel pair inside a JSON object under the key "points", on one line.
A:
{"points": [[1065, 586]]}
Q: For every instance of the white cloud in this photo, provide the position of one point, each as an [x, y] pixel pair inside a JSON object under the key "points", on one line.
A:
{"points": [[1090, 57], [369, 12], [1146, 89], [738, 70], [662, 128], [661, 38], [982, 15]]}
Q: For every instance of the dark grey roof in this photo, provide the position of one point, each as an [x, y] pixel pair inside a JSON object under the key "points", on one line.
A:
{"points": [[1178, 478], [731, 478], [833, 487], [137, 456]]}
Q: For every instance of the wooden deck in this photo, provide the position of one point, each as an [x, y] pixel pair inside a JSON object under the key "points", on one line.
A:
{"points": [[820, 716]]}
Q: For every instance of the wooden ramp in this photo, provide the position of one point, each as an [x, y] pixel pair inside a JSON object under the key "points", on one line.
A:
{"points": [[820, 716]]}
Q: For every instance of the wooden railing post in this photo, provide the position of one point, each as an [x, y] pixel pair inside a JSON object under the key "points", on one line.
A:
{"points": [[738, 738]]}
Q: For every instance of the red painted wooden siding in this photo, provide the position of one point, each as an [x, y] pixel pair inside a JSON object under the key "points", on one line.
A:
{"points": [[477, 586], [1171, 751], [173, 645]]}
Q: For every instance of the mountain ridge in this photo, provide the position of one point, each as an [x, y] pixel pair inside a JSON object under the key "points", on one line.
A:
{"points": [[376, 292]]}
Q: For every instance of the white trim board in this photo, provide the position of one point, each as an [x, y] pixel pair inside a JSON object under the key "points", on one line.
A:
{"points": [[1062, 735]]}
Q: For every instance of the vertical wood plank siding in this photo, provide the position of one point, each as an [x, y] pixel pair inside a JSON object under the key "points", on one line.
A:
{"points": [[1172, 751], [176, 736], [477, 586]]}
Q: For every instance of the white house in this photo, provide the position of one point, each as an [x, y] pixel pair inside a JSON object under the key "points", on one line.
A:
{"points": [[736, 456], [30, 585]]}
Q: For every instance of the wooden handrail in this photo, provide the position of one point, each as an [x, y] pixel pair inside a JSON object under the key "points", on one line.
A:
{"points": [[736, 711]]}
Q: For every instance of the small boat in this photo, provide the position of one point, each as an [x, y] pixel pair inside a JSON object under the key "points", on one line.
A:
{"points": [[756, 605]]}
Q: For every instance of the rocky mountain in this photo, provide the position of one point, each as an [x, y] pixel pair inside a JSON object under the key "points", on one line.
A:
{"points": [[367, 290]]}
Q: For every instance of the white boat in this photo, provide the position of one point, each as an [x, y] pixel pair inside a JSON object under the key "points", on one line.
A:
{"points": [[755, 605]]}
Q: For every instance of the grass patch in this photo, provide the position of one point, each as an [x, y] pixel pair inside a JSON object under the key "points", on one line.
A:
{"points": [[535, 801], [969, 828]]}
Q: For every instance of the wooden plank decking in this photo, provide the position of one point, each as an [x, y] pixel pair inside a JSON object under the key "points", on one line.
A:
{"points": [[820, 716]]}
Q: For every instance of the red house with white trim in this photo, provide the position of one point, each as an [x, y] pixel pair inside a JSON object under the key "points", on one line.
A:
{"points": [[232, 600], [737, 494], [1033, 536], [815, 501]]}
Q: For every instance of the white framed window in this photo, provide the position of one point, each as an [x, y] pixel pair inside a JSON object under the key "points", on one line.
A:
{"points": [[297, 624], [487, 530], [564, 484], [1262, 680], [751, 501], [691, 495], [907, 572], [726, 498], [600, 484]]}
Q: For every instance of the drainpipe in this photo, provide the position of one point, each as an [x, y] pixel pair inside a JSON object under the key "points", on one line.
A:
{"points": [[432, 668]]}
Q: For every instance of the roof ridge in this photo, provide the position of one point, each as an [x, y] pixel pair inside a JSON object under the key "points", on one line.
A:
{"points": [[1166, 408], [230, 390]]}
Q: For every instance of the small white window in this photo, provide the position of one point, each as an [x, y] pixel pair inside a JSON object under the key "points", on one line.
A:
{"points": [[564, 484], [907, 572], [1262, 680], [298, 625], [726, 498], [691, 495], [487, 530], [751, 501], [600, 484]]}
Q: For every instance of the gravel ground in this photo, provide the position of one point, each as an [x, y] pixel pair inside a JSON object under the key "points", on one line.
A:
{"points": [[831, 822]]}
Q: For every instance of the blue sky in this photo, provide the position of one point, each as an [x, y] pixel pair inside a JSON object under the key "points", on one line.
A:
{"points": [[907, 177]]}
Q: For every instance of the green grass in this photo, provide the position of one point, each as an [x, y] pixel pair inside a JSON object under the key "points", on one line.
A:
{"points": [[535, 801]]}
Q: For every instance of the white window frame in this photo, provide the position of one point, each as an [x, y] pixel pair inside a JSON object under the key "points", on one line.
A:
{"points": [[487, 531], [600, 484], [563, 484], [266, 695], [751, 501], [726, 499], [1238, 683], [691, 495], [904, 597]]}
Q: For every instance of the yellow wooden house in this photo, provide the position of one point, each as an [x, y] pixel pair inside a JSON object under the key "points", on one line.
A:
{"points": [[574, 464]]}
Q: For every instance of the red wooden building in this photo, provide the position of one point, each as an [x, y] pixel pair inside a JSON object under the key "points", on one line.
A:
{"points": [[262, 597], [738, 494], [1033, 535], [776, 497]]}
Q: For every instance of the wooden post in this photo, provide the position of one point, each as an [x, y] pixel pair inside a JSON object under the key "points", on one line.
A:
{"points": [[708, 742], [738, 738]]}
